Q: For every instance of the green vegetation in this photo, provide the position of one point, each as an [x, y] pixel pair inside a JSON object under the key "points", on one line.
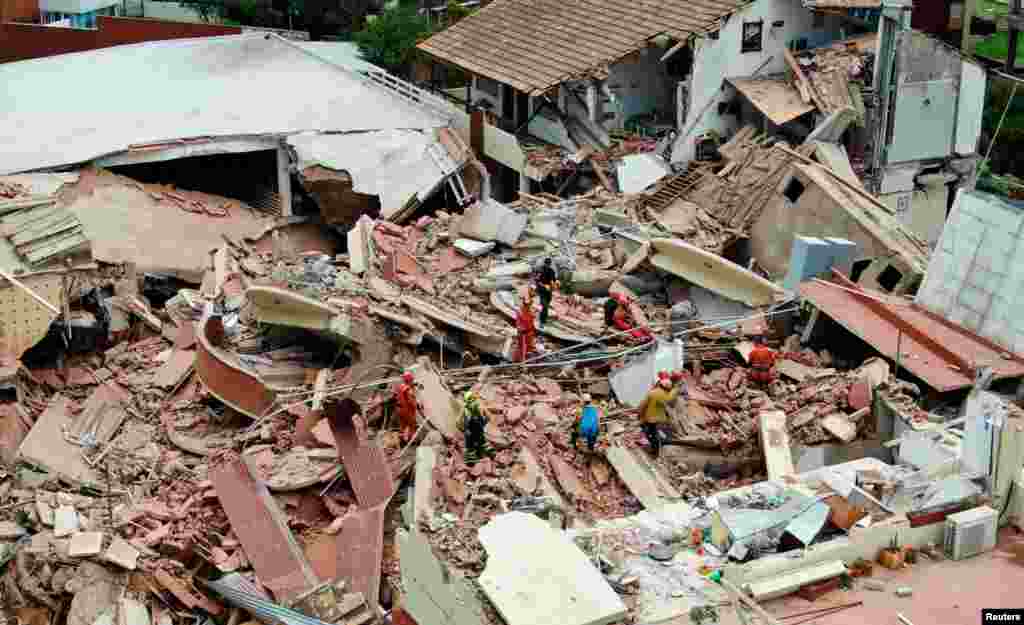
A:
{"points": [[997, 46], [390, 40]]}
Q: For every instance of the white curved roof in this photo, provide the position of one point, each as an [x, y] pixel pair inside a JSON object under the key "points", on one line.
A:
{"points": [[74, 108]]}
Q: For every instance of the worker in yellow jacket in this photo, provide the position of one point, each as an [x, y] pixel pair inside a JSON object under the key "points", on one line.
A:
{"points": [[652, 410]]}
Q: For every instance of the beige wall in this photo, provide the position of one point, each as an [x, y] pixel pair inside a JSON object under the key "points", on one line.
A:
{"points": [[922, 211]]}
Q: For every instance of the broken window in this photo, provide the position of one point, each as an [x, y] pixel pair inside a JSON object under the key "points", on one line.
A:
{"points": [[794, 189], [752, 36], [889, 278]]}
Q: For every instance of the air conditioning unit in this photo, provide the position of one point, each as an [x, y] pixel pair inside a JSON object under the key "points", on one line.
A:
{"points": [[970, 532]]}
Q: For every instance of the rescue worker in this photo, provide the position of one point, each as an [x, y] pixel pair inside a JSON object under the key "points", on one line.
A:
{"points": [[547, 282], [408, 406], [474, 420], [652, 410], [587, 425], [526, 330], [610, 306], [762, 361], [623, 320]]}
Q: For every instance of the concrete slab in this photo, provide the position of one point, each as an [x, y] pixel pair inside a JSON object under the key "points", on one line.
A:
{"points": [[838, 426], [45, 446], [85, 544], [65, 521], [121, 553], [637, 479], [639, 171], [775, 442], [439, 404], [473, 248], [537, 576], [434, 594], [423, 487], [177, 367]]}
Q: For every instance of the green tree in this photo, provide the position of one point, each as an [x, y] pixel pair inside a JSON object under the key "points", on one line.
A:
{"points": [[390, 40]]}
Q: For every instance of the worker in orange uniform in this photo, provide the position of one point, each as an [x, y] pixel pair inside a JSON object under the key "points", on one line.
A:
{"points": [[762, 361], [623, 320], [408, 406], [527, 330], [652, 410]]}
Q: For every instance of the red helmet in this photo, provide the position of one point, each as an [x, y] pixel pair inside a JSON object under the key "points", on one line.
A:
{"points": [[663, 375], [408, 377], [677, 376]]}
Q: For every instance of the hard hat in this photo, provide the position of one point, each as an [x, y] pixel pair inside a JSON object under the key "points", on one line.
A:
{"points": [[586, 397], [408, 377], [676, 376], [663, 375]]}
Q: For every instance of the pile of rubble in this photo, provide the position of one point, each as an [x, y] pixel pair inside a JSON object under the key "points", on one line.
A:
{"points": [[230, 448]]}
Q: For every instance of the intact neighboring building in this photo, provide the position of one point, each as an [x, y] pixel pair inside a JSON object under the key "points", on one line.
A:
{"points": [[76, 13], [22, 41]]}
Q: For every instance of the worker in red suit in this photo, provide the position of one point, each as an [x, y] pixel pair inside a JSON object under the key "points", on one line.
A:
{"points": [[624, 321], [408, 406], [526, 327], [762, 363]]}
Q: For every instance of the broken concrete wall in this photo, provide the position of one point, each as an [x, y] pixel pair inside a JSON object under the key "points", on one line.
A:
{"points": [[433, 594], [340, 204], [806, 204]]}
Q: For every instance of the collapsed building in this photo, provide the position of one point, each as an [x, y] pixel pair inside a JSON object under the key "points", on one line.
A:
{"points": [[199, 359]]}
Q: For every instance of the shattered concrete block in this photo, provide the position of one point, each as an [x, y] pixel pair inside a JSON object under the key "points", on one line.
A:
{"points": [[45, 513], [473, 248], [85, 544], [537, 576], [838, 426], [65, 521], [121, 553]]}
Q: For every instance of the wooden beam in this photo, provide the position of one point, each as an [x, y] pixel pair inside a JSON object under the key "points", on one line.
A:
{"points": [[803, 84]]}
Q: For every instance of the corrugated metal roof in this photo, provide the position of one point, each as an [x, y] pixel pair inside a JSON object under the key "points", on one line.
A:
{"points": [[533, 45], [927, 342]]}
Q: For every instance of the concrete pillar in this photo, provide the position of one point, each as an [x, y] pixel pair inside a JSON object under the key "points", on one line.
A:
{"points": [[593, 104], [284, 181], [521, 118]]}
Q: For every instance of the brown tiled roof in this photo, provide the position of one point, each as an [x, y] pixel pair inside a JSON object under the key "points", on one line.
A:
{"points": [[534, 45], [843, 4]]}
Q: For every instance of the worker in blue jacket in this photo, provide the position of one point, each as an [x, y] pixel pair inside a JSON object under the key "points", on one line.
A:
{"points": [[587, 425]]}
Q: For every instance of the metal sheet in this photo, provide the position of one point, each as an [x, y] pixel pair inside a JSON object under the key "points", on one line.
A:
{"points": [[632, 381], [856, 315], [924, 121], [237, 591], [806, 526]]}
